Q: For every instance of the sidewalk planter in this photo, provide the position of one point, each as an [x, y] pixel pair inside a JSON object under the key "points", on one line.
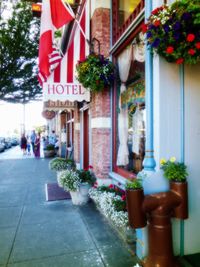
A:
{"points": [[136, 216], [76, 197], [49, 153], [84, 192], [180, 188], [176, 173]]}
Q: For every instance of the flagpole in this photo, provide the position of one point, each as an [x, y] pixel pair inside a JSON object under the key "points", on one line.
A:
{"points": [[78, 21]]}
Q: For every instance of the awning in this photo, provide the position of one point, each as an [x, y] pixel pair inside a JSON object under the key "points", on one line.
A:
{"points": [[58, 105], [62, 84]]}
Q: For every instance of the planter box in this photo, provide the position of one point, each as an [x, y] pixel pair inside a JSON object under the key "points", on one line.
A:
{"points": [[136, 216], [49, 153], [180, 188]]}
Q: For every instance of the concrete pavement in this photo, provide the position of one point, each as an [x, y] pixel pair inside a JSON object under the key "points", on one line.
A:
{"points": [[36, 233]]}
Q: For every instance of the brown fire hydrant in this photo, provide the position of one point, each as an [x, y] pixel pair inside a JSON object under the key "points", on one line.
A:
{"points": [[159, 209]]}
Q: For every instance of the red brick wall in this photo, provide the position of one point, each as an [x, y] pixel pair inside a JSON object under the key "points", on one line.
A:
{"points": [[100, 108], [100, 29], [101, 152], [100, 103]]}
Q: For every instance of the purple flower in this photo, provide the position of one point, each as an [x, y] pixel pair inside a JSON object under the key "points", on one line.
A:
{"points": [[186, 16], [177, 26], [166, 28], [177, 35], [156, 43], [152, 27], [149, 34]]}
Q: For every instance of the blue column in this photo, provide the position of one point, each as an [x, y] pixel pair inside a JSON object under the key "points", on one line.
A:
{"points": [[149, 161], [182, 106]]}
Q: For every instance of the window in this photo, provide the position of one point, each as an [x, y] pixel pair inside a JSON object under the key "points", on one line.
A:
{"points": [[130, 111], [126, 8]]}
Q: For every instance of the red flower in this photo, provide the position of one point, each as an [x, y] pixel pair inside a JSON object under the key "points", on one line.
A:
{"points": [[190, 37], [123, 197], [86, 169], [197, 45], [157, 23], [144, 28], [95, 185], [156, 10], [191, 52], [111, 186], [179, 61], [90, 167], [169, 50]]}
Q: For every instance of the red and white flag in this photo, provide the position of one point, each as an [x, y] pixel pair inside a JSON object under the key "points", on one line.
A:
{"points": [[55, 14]]}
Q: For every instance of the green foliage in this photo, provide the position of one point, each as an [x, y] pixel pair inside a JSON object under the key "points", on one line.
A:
{"points": [[174, 31], [19, 37], [174, 171], [69, 180], [58, 164], [110, 189], [119, 204], [134, 184], [95, 72], [49, 147], [86, 176]]}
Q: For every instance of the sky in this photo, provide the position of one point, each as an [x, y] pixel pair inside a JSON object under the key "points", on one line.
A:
{"points": [[12, 117]]}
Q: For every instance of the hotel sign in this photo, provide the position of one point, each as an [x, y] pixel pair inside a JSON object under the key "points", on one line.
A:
{"points": [[65, 92]]}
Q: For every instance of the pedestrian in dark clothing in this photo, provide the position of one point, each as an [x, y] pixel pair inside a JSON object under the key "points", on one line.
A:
{"points": [[23, 144], [37, 146]]}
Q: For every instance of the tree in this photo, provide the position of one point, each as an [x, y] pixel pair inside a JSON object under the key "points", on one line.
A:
{"points": [[19, 37]]}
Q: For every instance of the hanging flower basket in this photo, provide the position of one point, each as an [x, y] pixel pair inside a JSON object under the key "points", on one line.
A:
{"points": [[95, 72], [173, 32]]}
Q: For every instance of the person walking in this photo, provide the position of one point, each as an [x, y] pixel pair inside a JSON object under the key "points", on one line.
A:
{"points": [[33, 138], [23, 143], [28, 145], [37, 146]]}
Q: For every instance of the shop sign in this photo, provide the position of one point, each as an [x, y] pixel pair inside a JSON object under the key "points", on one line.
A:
{"points": [[48, 115], [65, 92], [37, 7]]}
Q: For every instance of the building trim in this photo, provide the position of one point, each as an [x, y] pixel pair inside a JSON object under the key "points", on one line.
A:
{"points": [[101, 122]]}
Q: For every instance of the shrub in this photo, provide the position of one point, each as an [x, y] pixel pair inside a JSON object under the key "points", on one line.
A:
{"points": [[69, 180], [58, 164], [134, 184], [173, 170]]}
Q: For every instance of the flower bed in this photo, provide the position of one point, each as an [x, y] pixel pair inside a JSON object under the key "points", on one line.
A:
{"points": [[173, 31], [113, 206]]}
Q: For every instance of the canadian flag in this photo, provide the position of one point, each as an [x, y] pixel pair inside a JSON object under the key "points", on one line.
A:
{"points": [[55, 14]]}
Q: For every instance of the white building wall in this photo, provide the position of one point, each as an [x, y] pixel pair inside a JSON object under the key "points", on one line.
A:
{"points": [[167, 137], [192, 148]]}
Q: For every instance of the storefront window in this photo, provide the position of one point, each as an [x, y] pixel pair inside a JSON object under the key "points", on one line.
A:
{"points": [[130, 137], [125, 9]]}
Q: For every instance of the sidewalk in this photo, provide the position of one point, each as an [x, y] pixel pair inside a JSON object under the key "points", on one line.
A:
{"points": [[36, 233]]}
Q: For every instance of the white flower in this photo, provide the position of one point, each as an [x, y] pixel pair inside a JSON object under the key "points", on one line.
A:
{"points": [[104, 200]]}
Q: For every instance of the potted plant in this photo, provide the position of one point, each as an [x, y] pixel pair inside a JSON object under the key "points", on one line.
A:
{"points": [[95, 72], [69, 180], [173, 31], [176, 173], [87, 180], [135, 198], [49, 151], [58, 164]]}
